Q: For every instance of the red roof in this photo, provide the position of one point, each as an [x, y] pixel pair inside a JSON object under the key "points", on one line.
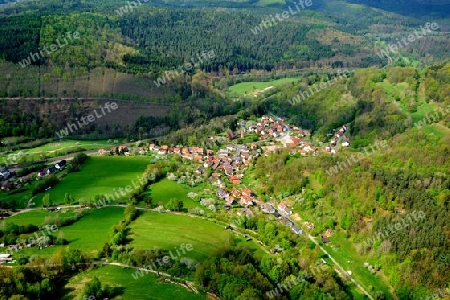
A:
{"points": [[236, 193], [246, 191], [247, 200]]}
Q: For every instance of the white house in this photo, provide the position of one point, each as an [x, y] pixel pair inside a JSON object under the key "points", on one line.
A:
{"points": [[5, 258]]}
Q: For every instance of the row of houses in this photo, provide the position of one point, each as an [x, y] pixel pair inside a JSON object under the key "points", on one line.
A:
{"points": [[122, 149], [191, 153], [338, 135], [5, 173], [12, 183], [245, 197], [281, 214], [269, 126], [53, 169], [5, 258]]}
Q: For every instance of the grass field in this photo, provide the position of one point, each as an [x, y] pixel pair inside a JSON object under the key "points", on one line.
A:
{"points": [[52, 148], [344, 252], [247, 88], [422, 111], [147, 287], [167, 231], [20, 196], [166, 189], [99, 175], [38, 217], [269, 2], [89, 233]]}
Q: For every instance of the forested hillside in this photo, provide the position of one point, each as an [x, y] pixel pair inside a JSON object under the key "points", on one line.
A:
{"points": [[237, 117], [359, 202]]}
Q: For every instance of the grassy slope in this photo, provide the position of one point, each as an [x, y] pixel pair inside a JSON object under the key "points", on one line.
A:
{"points": [[38, 217], [166, 189], [20, 196], [48, 149], [147, 287], [99, 175], [168, 231], [244, 88], [89, 233]]}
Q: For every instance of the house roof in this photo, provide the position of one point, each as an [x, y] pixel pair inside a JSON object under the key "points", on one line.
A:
{"points": [[246, 191], [222, 193], [235, 192], [246, 199], [296, 229]]}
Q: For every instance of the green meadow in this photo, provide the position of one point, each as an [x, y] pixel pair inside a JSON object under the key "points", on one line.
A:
{"points": [[99, 175], [345, 254], [92, 231], [270, 2], [247, 88], [121, 279], [167, 231], [422, 111], [19, 196], [50, 149], [88, 234], [166, 189], [38, 217]]}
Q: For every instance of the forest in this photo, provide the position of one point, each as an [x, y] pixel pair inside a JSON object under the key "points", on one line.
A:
{"points": [[118, 57]]}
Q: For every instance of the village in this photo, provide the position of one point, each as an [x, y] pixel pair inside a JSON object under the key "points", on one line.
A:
{"points": [[227, 165]]}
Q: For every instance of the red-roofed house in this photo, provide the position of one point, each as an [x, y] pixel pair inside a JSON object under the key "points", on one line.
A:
{"points": [[246, 200], [247, 192], [236, 194]]}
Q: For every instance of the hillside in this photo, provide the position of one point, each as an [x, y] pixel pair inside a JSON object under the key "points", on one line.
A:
{"points": [[235, 149]]}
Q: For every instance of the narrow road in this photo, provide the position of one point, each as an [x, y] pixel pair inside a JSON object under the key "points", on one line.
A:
{"points": [[341, 270]]}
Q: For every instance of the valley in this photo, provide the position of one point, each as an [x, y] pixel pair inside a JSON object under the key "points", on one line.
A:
{"points": [[210, 149]]}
